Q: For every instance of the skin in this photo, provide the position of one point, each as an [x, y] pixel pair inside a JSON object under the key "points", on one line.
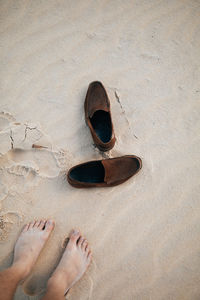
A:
{"points": [[72, 266]]}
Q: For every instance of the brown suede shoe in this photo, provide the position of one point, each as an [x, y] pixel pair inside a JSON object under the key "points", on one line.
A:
{"points": [[104, 173], [98, 116]]}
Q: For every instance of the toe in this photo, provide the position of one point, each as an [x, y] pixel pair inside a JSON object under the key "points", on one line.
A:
{"points": [[41, 225], [31, 225], [87, 250], [80, 241], [74, 236], [84, 245], [36, 224], [89, 256], [49, 225], [25, 228]]}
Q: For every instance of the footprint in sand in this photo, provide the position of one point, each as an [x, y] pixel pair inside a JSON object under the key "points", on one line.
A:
{"points": [[5, 120], [17, 135], [26, 174], [33, 163], [30, 159], [63, 158]]}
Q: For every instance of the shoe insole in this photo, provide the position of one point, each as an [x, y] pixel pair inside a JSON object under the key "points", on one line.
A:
{"points": [[90, 172], [101, 123]]}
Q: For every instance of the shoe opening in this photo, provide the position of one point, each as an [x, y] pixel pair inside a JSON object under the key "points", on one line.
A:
{"points": [[92, 172], [101, 123]]}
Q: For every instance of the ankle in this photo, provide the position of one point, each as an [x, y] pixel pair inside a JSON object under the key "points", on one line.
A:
{"points": [[14, 273], [58, 283], [20, 270]]}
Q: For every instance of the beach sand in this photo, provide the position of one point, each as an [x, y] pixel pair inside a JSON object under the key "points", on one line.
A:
{"points": [[145, 233]]}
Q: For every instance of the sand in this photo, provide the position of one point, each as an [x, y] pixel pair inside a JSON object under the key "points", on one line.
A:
{"points": [[144, 233]]}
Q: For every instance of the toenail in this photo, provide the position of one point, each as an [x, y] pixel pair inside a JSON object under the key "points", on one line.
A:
{"points": [[50, 222], [76, 232]]}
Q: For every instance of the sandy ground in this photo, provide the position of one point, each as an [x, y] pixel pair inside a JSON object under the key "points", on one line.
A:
{"points": [[145, 234]]}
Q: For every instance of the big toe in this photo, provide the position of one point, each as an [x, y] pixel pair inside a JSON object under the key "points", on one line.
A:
{"points": [[48, 227], [74, 236]]}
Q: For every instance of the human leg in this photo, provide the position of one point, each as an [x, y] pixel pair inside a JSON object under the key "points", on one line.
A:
{"points": [[27, 249], [71, 268]]}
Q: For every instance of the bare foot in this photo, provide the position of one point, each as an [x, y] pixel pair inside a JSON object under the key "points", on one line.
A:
{"points": [[29, 245], [73, 264]]}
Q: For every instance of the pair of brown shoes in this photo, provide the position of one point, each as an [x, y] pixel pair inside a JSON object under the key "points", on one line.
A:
{"points": [[107, 172]]}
